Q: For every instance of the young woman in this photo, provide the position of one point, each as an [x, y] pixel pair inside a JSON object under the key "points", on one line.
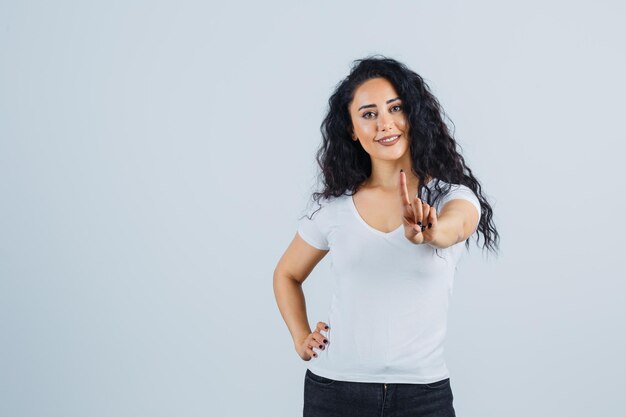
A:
{"points": [[397, 209]]}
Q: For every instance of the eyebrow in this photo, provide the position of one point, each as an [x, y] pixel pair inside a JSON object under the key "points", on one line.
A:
{"points": [[374, 105]]}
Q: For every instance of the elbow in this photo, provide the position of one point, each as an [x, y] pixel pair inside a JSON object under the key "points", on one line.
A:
{"points": [[283, 276], [460, 237]]}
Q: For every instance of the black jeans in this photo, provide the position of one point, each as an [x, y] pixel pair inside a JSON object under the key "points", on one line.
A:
{"points": [[324, 397]]}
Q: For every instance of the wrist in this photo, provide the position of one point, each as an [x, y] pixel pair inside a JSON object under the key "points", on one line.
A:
{"points": [[297, 339], [434, 239]]}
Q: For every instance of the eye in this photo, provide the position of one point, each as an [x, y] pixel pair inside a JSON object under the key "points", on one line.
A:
{"points": [[370, 112]]}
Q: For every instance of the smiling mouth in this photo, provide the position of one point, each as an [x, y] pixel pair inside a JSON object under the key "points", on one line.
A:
{"points": [[388, 140]]}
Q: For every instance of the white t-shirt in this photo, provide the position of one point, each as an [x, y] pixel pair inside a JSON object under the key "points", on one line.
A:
{"points": [[388, 312]]}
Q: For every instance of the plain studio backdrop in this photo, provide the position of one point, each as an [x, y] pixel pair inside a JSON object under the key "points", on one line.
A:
{"points": [[155, 158]]}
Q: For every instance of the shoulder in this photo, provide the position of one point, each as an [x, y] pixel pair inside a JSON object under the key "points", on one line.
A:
{"points": [[450, 191], [322, 206], [445, 188], [318, 220]]}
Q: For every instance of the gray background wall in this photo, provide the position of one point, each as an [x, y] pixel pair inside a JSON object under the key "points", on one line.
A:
{"points": [[154, 158]]}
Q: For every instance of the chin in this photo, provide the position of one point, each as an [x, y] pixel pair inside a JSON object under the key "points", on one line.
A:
{"points": [[396, 152]]}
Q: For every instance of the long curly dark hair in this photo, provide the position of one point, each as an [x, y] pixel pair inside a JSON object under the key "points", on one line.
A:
{"points": [[345, 165]]}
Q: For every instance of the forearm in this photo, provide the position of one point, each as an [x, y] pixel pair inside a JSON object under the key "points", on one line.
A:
{"points": [[292, 306], [448, 232]]}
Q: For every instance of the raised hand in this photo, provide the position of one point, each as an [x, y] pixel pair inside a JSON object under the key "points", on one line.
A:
{"points": [[420, 219], [315, 340]]}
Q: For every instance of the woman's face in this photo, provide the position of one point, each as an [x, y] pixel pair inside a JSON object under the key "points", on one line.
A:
{"points": [[377, 112]]}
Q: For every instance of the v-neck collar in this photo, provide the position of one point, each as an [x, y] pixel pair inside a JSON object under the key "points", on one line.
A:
{"points": [[356, 213], [362, 221]]}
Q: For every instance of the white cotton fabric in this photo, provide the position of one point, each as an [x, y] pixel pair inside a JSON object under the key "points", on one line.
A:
{"points": [[388, 312]]}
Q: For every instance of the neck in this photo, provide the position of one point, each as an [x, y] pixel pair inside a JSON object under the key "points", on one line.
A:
{"points": [[386, 175]]}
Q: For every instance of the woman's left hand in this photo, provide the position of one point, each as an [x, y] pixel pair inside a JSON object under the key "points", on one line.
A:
{"points": [[420, 219]]}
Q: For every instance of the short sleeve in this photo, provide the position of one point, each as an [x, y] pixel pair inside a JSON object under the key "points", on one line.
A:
{"points": [[460, 191], [313, 225]]}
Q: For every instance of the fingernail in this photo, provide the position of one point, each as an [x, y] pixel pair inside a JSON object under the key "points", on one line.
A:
{"points": [[326, 327], [420, 223], [430, 225], [321, 346], [325, 341], [401, 170]]}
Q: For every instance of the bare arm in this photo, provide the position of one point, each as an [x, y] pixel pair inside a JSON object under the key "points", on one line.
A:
{"points": [[422, 224], [293, 268], [457, 220]]}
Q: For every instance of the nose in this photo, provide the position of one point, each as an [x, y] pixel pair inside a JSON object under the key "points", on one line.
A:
{"points": [[386, 122]]}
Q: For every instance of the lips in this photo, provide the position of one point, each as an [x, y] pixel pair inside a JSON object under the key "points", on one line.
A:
{"points": [[391, 142], [387, 137]]}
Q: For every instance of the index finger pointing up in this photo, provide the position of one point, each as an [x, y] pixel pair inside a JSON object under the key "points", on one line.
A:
{"points": [[404, 192]]}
